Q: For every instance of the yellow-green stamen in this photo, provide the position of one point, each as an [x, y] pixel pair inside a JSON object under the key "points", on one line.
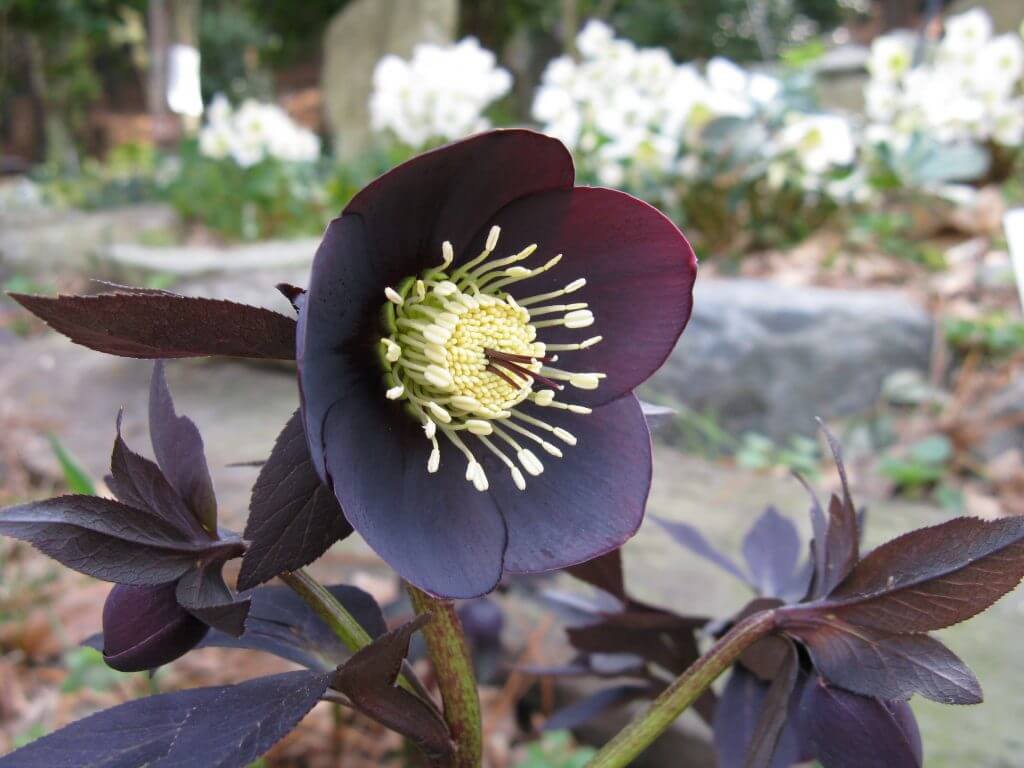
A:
{"points": [[462, 354]]}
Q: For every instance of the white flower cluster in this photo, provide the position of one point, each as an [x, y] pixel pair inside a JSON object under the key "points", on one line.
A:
{"points": [[440, 94], [968, 87], [621, 105], [253, 132]]}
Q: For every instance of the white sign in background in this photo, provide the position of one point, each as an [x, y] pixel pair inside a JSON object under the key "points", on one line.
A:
{"points": [[183, 92]]}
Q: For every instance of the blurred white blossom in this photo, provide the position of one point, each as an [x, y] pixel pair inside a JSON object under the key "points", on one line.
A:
{"points": [[632, 115], [820, 142], [440, 94], [253, 132], [966, 88]]}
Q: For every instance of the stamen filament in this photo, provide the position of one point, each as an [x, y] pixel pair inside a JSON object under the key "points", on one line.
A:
{"points": [[462, 353]]}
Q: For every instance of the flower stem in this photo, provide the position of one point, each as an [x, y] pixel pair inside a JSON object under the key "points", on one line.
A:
{"points": [[641, 732], [454, 669], [342, 623]]}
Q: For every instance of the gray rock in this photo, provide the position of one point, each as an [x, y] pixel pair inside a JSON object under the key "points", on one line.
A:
{"points": [[1007, 407], [38, 240], [51, 386], [356, 39], [770, 358], [257, 287]]}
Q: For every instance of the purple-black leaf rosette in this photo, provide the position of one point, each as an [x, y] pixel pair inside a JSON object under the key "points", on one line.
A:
{"points": [[468, 347], [158, 542], [847, 644]]}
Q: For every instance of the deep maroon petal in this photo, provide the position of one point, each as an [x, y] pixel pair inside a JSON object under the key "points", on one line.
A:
{"points": [[436, 530], [584, 504], [393, 229], [449, 193], [639, 268]]}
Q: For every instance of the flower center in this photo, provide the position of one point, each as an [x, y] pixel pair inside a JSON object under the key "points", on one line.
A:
{"points": [[463, 354]]}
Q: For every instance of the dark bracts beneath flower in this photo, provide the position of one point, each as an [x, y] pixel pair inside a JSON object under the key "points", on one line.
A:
{"points": [[159, 543]]}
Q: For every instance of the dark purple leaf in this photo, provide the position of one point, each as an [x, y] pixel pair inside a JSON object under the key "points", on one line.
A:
{"points": [[282, 623], [368, 679], [819, 532], [223, 727], [837, 454], [846, 730], [661, 639], [765, 657], [109, 540], [586, 709], [932, 577], [772, 550], [203, 593], [773, 714], [736, 719], [296, 296], [842, 537], [873, 663], [604, 572], [162, 325], [687, 536], [293, 516], [139, 483], [179, 452], [842, 543]]}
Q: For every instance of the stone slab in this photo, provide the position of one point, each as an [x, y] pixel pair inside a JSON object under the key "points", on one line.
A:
{"points": [[769, 358]]}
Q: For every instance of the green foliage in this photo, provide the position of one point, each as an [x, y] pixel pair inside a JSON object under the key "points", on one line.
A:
{"points": [[87, 671], [128, 175], [993, 334], [234, 42], [697, 29], [54, 50], [926, 161], [799, 454], [556, 750], [891, 232], [919, 467], [270, 199], [244, 41], [75, 478]]}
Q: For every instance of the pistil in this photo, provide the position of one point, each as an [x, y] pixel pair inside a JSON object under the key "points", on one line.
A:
{"points": [[463, 355]]}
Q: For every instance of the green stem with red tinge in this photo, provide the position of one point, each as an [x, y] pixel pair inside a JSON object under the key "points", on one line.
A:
{"points": [[453, 667], [684, 691], [341, 622]]}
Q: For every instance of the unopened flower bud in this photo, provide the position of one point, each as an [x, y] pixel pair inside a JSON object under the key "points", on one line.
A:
{"points": [[145, 628]]}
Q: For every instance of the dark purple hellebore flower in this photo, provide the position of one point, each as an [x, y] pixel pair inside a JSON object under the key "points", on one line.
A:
{"points": [[145, 628], [440, 350]]}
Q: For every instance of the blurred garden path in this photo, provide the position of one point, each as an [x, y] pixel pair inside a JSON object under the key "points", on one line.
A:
{"points": [[50, 386]]}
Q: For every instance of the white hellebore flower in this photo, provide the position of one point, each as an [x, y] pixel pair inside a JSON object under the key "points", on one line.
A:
{"points": [[439, 94], [254, 132], [967, 32], [891, 57], [820, 142]]}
